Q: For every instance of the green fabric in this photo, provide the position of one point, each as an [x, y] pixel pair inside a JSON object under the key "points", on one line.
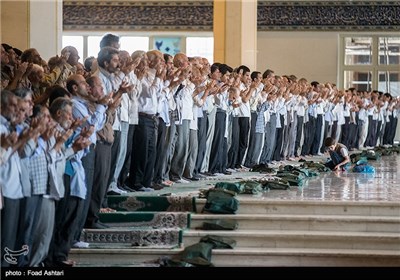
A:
{"points": [[123, 217], [295, 178], [151, 203], [384, 151], [221, 201], [263, 168], [167, 262], [316, 166], [304, 171], [371, 155], [234, 187], [275, 183], [147, 219], [219, 242], [246, 187], [251, 187], [356, 157], [395, 149], [220, 225], [198, 254]]}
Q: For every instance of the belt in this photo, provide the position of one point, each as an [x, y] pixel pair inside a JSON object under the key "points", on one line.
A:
{"points": [[149, 116], [104, 142]]}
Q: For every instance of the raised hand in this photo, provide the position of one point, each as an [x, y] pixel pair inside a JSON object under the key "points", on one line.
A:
{"points": [[21, 68], [8, 140], [87, 131], [80, 143], [115, 102], [61, 138], [175, 73], [106, 99], [78, 122]]}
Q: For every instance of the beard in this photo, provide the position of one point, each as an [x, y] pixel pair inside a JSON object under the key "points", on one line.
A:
{"points": [[66, 124]]}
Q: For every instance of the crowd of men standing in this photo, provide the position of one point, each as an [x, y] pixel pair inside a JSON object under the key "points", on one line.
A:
{"points": [[73, 133]]}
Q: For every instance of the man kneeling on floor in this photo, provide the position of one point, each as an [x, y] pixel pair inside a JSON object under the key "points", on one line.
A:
{"points": [[339, 154]]}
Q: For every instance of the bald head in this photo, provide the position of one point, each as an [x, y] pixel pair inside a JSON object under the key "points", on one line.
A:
{"points": [[181, 60], [155, 58], [72, 55]]}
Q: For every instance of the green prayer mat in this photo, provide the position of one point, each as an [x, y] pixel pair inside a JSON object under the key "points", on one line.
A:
{"points": [[146, 219], [151, 203]]}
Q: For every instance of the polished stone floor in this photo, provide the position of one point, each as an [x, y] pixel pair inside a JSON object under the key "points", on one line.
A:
{"points": [[382, 185]]}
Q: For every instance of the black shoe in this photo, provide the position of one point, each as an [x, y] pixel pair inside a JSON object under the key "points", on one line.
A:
{"points": [[112, 193], [99, 225], [141, 188], [209, 174], [157, 187], [173, 179], [126, 188], [194, 178], [103, 224], [227, 172]]}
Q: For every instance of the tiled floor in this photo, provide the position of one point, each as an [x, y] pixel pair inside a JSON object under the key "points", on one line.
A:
{"points": [[383, 185]]}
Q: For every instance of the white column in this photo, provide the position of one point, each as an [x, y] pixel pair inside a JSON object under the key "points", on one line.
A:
{"points": [[241, 33], [45, 28]]}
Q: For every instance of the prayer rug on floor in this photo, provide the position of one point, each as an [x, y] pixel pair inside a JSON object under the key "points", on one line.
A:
{"points": [[138, 237], [147, 219], [151, 203]]}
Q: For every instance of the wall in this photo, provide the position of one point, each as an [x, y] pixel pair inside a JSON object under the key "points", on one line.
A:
{"points": [[46, 27], [14, 23], [36, 24], [312, 55]]}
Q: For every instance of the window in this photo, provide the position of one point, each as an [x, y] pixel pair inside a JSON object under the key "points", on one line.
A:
{"points": [[88, 45], [132, 44], [93, 45], [75, 41], [200, 46], [370, 63]]}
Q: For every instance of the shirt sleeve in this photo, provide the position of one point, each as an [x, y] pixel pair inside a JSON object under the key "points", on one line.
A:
{"points": [[344, 152]]}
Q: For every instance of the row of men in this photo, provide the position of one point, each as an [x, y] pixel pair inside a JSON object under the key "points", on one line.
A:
{"points": [[157, 119]]}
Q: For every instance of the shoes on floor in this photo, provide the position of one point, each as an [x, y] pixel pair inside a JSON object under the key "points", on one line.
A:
{"points": [[113, 193], [140, 188], [114, 190], [191, 179], [157, 187], [167, 183], [126, 188], [99, 225], [183, 181], [231, 170]]}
